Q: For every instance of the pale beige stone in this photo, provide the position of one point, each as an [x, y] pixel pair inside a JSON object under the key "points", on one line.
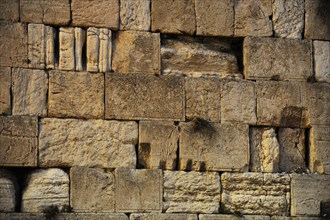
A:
{"points": [[80, 41], [232, 217], [135, 15], [36, 46], [67, 54], [93, 143], [162, 216], [92, 216], [18, 141], [256, 193], [92, 51], [29, 87], [322, 61], [105, 50], [317, 18], [50, 33], [9, 10], [8, 191], [214, 146], [5, 86], [138, 190], [191, 192]]}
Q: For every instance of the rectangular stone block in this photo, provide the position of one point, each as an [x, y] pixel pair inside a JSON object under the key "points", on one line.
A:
{"points": [[93, 143], [5, 86], [144, 97], [135, 15], [36, 46], [92, 216], [80, 41], [76, 94], [322, 61], [162, 216], [105, 50], [277, 59], [8, 191], [192, 192], [50, 34], [67, 48], [138, 190], [214, 146], [18, 141], [9, 10], [231, 217], [23, 216], [92, 49], [256, 193]]}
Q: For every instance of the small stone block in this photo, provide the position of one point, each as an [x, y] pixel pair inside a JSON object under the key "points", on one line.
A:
{"points": [[322, 61], [9, 10], [5, 94], [8, 191], [162, 216], [135, 15], [67, 48]]}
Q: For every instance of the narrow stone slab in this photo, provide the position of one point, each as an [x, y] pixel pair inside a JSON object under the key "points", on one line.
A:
{"points": [[67, 48], [317, 18], [36, 46], [135, 15], [231, 217], [322, 61], [23, 216], [105, 50], [92, 51], [92, 216], [9, 10], [80, 41], [162, 216], [8, 191], [50, 33], [5, 86]]}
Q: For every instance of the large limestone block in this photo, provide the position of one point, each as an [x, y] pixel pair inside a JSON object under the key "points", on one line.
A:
{"points": [[76, 94], [288, 18], [22, 216], [18, 141], [252, 18], [8, 191], [29, 88], [307, 193], [138, 190], [162, 216], [136, 52], [92, 190], [135, 15], [231, 217], [317, 18], [144, 97], [256, 193], [192, 192], [99, 13], [277, 59], [5, 94], [93, 143], [9, 10], [67, 48], [214, 146], [322, 61]]}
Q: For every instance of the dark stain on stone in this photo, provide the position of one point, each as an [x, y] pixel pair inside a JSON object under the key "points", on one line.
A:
{"points": [[202, 166], [325, 209], [144, 155], [292, 116], [188, 165]]}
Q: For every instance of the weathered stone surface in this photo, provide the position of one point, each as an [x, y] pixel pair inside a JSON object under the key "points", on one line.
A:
{"points": [[92, 216], [138, 190], [8, 191], [277, 59], [191, 192], [144, 97], [214, 146], [307, 192], [288, 18], [36, 46], [92, 190], [105, 50], [135, 15], [67, 48], [256, 193], [317, 18], [5, 95], [29, 88], [252, 18], [50, 47], [322, 61], [99, 13], [22, 216], [176, 17], [76, 94], [231, 217], [162, 216], [136, 52], [80, 40], [45, 187], [93, 143], [18, 141], [92, 51], [13, 40], [214, 17], [9, 10]]}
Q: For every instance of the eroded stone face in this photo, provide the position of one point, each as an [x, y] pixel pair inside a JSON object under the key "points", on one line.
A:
{"points": [[135, 15], [8, 191], [230, 217], [162, 216], [5, 85], [321, 61], [9, 10], [317, 18], [67, 48]]}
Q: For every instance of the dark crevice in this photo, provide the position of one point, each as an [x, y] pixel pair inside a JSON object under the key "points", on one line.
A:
{"points": [[307, 148], [84, 52], [57, 47], [177, 164]]}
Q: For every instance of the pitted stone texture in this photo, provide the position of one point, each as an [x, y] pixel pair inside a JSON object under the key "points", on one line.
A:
{"points": [[214, 146], [22, 216], [162, 216], [322, 61], [105, 50], [307, 192], [45, 188], [8, 191], [92, 51], [135, 15], [36, 46], [256, 193], [288, 18], [99, 13], [9, 10], [93, 143], [18, 141], [136, 52], [252, 18], [50, 35], [144, 96], [92, 190], [192, 192], [138, 190], [214, 17], [231, 217], [67, 48], [76, 94], [5, 86], [158, 145], [29, 87]]}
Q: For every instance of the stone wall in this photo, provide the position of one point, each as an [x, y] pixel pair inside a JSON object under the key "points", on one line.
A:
{"points": [[165, 109]]}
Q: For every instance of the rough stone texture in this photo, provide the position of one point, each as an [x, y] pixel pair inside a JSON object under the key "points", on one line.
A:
{"points": [[92, 51], [277, 59], [9, 10], [36, 46], [5, 95], [214, 146], [256, 193], [99, 13], [18, 141], [67, 48], [317, 18], [214, 17], [231, 217], [76, 94], [105, 50], [80, 40], [22, 216], [135, 15], [144, 97], [55, 12], [252, 18], [176, 17], [307, 192], [8, 191], [238, 102], [136, 52], [191, 192], [50, 33], [162, 216], [93, 143], [138, 190], [322, 61], [29, 87], [92, 190], [45, 188], [288, 18], [13, 40]]}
